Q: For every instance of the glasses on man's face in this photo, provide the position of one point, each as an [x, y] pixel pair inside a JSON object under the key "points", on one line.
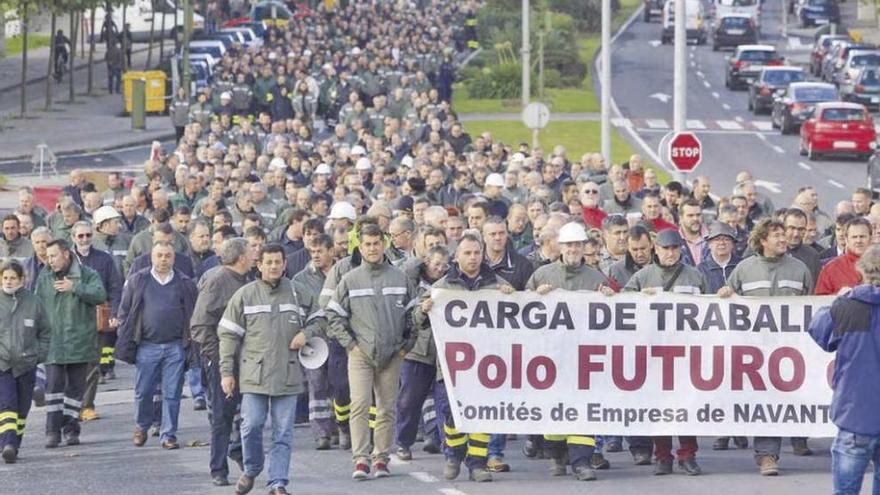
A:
{"points": [[591, 191], [84, 236]]}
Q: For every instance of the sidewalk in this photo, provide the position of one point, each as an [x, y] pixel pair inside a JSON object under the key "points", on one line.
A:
{"points": [[91, 122]]}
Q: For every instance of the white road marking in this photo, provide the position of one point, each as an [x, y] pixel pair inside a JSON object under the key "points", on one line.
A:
{"points": [[621, 122], [655, 43], [762, 125], [835, 183], [715, 95], [657, 124], [725, 106], [804, 166], [706, 83], [738, 119], [743, 132], [695, 124], [729, 125], [779, 150], [451, 491], [761, 136], [693, 64], [423, 477], [700, 74]]}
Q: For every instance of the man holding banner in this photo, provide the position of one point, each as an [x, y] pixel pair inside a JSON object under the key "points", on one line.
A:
{"points": [[770, 272], [570, 273], [469, 273], [668, 273]]}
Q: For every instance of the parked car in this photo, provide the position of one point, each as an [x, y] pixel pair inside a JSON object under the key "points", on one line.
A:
{"points": [[837, 60], [818, 12], [263, 11], [144, 16], [820, 49], [746, 63], [772, 81], [793, 107], [855, 60], [734, 30], [248, 36], [751, 8], [694, 22], [653, 8], [838, 128], [864, 88]]}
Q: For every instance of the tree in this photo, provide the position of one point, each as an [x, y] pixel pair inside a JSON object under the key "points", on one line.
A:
{"points": [[50, 76], [152, 36], [91, 77]]}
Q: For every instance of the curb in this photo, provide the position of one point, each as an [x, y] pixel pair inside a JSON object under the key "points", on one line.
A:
{"points": [[7, 161]]}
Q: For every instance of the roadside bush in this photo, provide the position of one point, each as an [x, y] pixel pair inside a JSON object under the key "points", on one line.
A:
{"points": [[497, 82]]}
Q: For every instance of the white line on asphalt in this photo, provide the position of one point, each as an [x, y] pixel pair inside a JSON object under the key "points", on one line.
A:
{"points": [[761, 136], [706, 131], [657, 124], [451, 491], [738, 119], [835, 183], [762, 125], [695, 124], [700, 74], [423, 477], [779, 150], [804, 166], [715, 95], [706, 83], [729, 125], [725, 106], [621, 122], [693, 64]]}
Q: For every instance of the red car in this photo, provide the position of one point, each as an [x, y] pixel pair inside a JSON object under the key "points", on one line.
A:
{"points": [[838, 128]]}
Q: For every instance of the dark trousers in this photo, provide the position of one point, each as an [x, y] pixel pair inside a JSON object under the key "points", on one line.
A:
{"points": [[107, 341], [663, 448], [580, 448], [114, 80], [337, 375], [320, 404], [15, 403], [636, 444], [416, 382], [472, 448], [91, 390], [222, 413], [65, 384]]}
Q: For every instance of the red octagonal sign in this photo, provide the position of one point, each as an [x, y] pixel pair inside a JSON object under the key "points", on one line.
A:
{"points": [[685, 151]]}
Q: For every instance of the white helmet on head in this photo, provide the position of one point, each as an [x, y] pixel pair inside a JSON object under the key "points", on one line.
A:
{"points": [[572, 232], [341, 210]]}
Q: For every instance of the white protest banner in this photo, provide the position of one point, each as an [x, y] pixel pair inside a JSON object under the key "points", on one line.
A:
{"points": [[632, 364]]}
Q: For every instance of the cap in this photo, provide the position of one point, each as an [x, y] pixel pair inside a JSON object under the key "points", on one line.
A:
{"points": [[363, 163], [668, 238], [358, 150], [572, 232], [379, 209], [272, 56], [323, 169], [226, 95], [277, 162], [404, 203], [342, 209], [356, 51], [719, 229], [105, 213], [496, 180]]}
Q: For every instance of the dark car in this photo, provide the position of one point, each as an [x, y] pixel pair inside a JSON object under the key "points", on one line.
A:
{"points": [[791, 109], [746, 63], [734, 30], [820, 49], [816, 12], [653, 8], [864, 89], [770, 82]]}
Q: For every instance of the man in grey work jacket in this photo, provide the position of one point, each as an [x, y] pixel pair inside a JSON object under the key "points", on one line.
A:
{"points": [[367, 315], [263, 326]]}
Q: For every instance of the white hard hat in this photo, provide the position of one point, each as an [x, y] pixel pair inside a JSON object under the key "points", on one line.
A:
{"points": [[495, 180], [517, 157], [363, 163], [277, 162], [358, 150], [343, 209], [406, 161], [323, 169], [105, 213], [226, 95], [572, 232]]}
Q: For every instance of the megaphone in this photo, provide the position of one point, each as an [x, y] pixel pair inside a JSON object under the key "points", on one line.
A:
{"points": [[314, 354]]}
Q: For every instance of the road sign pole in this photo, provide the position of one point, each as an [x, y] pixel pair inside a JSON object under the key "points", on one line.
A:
{"points": [[784, 19], [526, 59], [606, 82], [680, 82]]}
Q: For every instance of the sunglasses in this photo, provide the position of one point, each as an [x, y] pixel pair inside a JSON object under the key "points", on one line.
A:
{"points": [[83, 236]]}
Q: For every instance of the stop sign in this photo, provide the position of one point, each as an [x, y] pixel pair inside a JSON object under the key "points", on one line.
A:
{"points": [[685, 151]]}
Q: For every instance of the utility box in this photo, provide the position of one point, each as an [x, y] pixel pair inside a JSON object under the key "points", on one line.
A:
{"points": [[154, 81]]}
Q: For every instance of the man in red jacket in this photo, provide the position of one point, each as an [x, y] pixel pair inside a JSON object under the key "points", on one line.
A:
{"points": [[841, 272], [592, 212]]}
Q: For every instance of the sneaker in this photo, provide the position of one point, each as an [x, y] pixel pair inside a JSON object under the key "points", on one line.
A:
{"points": [[244, 484], [800, 448], [361, 471], [344, 441], [529, 449], [690, 467], [768, 466], [663, 467], [584, 473], [431, 446], [614, 446], [9, 454], [322, 443], [199, 405], [404, 453], [451, 469], [598, 461], [720, 443], [641, 458], [741, 442], [496, 465], [557, 467], [53, 440], [480, 475], [89, 414], [380, 470], [39, 397]]}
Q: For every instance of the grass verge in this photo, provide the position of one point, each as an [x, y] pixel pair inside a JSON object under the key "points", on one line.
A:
{"points": [[14, 44]]}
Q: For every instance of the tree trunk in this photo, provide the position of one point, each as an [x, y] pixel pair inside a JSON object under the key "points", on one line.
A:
{"points": [[91, 80], [73, 33], [152, 37], [124, 42], [24, 59], [51, 76]]}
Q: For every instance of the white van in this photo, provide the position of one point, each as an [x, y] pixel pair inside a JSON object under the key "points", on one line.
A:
{"points": [[695, 22], [139, 16]]}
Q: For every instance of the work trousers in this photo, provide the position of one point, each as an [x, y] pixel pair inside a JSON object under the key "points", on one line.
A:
{"points": [[15, 403], [663, 448], [65, 384], [337, 376], [471, 448], [416, 382], [580, 448], [223, 417], [367, 381], [107, 341], [92, 377], [320, 403]]}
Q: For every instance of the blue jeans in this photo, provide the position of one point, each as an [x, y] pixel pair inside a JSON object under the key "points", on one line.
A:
{"points": [[850, 455], [194, 380], [497, 444], [254, 409], [159, 362]]}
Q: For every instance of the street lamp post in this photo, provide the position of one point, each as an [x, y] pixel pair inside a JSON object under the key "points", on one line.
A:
{"points": [[679, 110], [606, 82], [526, 54]]}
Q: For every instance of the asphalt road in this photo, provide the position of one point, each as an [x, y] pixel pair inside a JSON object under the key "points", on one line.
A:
{"points": [[733, 138]]}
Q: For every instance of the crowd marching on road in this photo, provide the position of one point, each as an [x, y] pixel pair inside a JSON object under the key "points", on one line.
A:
{"points": [[321, 188]]}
